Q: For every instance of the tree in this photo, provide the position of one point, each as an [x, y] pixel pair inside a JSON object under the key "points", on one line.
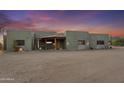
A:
{"points": [[118, 42], [4, 21]]}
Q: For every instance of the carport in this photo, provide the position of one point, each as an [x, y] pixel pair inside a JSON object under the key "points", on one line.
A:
{"points": [[56, 42]]}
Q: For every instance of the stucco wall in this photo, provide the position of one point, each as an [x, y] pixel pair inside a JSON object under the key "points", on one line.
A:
{"points": [[72, 38], [95, 37], [19, 35], [40, 34]]}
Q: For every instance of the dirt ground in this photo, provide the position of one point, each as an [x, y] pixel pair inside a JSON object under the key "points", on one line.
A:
{"points": [[89, 66]]}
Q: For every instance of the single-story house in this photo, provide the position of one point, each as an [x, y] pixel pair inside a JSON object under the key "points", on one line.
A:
{"points": [[41, 40]]}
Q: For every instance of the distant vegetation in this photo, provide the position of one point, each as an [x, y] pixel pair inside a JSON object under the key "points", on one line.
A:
{"points": [[118, 42]]}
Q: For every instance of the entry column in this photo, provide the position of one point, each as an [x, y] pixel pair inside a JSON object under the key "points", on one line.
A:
{"points": [[55, 46], [45, 44], [38, 43]]}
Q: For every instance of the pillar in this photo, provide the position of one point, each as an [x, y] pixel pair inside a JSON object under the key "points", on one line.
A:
{"points": [[55, 41], [45, 44], [38, 43]]}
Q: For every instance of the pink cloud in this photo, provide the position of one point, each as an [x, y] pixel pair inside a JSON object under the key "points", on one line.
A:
{"points": [[45, 22]]}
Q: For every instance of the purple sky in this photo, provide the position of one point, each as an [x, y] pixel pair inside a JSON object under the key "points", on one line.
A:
{"points": [[111, 22]]}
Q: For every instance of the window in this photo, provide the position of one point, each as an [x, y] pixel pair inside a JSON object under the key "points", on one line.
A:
{"points": [[20, 42], [81, 42], [100, 42]]}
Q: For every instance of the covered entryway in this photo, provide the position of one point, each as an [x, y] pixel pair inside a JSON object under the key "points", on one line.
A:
{"points": [[51, 42]]}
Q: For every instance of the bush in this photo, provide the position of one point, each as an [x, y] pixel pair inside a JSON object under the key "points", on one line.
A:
{"points": [[118, 42]]}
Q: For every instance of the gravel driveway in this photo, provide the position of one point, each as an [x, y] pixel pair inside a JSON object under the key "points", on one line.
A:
{"points": [[91, 66]]}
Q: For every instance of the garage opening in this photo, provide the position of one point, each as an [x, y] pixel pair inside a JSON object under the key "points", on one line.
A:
{"points": [[51, 43]]}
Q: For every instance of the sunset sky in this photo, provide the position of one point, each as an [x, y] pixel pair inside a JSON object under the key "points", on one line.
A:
{"points": [[111, 22]]}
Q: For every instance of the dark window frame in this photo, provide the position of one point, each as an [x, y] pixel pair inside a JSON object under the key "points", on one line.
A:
{"points": [[20, 42], [81, 42], [100, 42]]}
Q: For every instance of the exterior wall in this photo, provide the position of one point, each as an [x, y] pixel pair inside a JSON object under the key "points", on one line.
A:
{"points": [[13, 35], [104, 37], [71, 43], [72, 38]]}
